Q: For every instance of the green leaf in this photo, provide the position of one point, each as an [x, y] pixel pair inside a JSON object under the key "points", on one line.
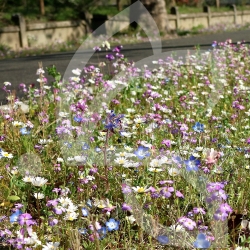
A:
{"points": [[13, 198]]}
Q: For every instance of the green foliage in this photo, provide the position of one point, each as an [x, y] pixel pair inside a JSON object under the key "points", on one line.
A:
{"points": [[55, 10]]}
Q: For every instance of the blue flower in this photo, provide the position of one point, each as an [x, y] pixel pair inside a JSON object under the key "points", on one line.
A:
{"points": [[82, 230], [85, 146], [85, 212], [14, 216], [177, 160], [214, 44], [110, 126], [113, 121], [168, 121], [78, 119], [112, 224], [98, 150], [201, 242], [192, 164], [102, 232], [89, 203], [67, 144], [163, 239], [24, 131], [198, 127], [142, 152]]}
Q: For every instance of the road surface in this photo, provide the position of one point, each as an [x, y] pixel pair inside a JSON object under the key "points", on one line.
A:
{"points": [[23, 70]]}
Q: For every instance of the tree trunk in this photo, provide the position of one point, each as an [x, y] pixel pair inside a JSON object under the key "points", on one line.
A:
{"points": [[199, 3], [218, 4], [157, 9], [119, 5], [42, 9]]}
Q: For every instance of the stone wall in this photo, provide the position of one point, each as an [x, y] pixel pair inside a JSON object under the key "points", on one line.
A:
{"points": [[36, 34], [25, 34]]}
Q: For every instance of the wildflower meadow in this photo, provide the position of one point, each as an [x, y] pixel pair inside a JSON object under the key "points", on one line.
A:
{"points": [[163, 165]]}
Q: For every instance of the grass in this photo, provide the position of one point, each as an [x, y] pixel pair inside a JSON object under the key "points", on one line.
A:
{"points": [[188, 10], [105, 10]]}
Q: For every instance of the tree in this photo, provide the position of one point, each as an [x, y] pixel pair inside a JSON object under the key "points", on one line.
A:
{"points": [[42, 9], [157, 9], [119, 5]]}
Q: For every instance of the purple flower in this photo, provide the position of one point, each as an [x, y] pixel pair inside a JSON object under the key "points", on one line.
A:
{"points": [[199, 210], [189, 224], [218, 195], [166, 181], [26, 219], [151, 189], [117, 48], [179, 194], [96, 48], [126, 207], [155, 195], [219, 215], [59, 210], [225, 208], [110, 57], [126, 189], [214, 186], [52, 203], [53, 222], [166, 192], [18, 205], [167, 143]]}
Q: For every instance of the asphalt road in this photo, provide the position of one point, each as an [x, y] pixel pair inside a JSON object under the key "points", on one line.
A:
{"points": [[23, 70]]}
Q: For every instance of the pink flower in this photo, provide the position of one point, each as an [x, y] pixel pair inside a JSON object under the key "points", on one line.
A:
{"points": [[167, 143], [179, 194], [212, 156]]}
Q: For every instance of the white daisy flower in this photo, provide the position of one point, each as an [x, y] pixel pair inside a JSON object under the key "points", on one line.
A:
{"points": [[51, 246], [173, 171], [17, 124], [155, 163], [76, 72], [39, 181], [128, 148], [39, 196], [7, 155], [139, 120], [28, 178], [121, 160], [59, 159], [139, 189], [111, 148], [155, 170]]}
